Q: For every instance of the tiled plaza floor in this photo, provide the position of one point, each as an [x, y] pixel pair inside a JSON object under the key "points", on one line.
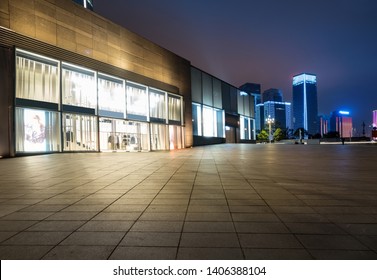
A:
{"points": [[216, 202]]}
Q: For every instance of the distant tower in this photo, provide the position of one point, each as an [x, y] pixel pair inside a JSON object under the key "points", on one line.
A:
{"points": [[341, 121], [324, 125], [272, 94], [374, 124], [305, 104], [85, 3]]}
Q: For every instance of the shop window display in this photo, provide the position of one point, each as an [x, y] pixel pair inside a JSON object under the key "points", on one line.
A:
{"points": [[122, 135], [37, 131], [80, 132], [56, 110]]}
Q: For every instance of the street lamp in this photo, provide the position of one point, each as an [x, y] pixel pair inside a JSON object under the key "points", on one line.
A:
{"points": [[270, 121]]}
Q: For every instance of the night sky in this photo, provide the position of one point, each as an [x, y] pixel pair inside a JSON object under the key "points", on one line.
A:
{"points": [[268, 42]]}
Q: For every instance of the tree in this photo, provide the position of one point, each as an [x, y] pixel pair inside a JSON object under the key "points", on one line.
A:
{"points": [[263, 136], [278, 134]]}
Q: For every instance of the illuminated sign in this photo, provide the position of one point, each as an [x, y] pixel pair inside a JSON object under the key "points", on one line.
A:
{"points": [[344, 113], [304, 78]]}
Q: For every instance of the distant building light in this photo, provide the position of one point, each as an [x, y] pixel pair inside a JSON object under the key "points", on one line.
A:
{"points": [[344, 113], [304, 78], [242, 93]]}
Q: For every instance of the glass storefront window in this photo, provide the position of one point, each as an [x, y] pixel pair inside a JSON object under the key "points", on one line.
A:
{"points": [[111, 96], [37, 78], [174, 103], [157, 104], [220, 123], [154, 117], [175, 137], [197, 119], [247, 128], [78, 86], [137, 102], [37, 131], [122, 135], [208, 122], [80, 132], [158, 137], [213, 122]]}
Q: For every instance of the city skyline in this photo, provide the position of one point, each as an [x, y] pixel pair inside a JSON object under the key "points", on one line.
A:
{"points": [[269, 42]]}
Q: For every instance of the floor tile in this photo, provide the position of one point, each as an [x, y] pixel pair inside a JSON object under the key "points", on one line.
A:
{"points": [[337, 242], [208, 227], [147, 239], [277, 241], [225, 240], [93, 238], [37, 238], [157, 226]]}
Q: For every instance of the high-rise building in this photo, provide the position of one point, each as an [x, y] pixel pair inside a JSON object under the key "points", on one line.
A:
{"points": [[324, 125], [86, 3], [305, 104], [254, 90], [272, 94], [341, 122], [279, 111]]}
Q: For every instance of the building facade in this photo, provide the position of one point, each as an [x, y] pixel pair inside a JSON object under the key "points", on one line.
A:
{"points": [[272, 94], [341, 122], [305, 104], [221, 113], [324, 125], [72, 80]]}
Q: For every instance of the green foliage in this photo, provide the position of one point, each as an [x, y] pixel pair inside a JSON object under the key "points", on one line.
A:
{"points": [[263, 136], [278, 134]]}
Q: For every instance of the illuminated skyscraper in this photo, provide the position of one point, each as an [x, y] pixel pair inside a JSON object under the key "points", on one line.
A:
{"points": [[324, 122], [341, 122], [86, 3], [374, 118], [305, 105]]}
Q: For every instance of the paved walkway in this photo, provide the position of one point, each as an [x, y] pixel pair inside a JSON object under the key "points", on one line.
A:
{"points": [[216, 202]]}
